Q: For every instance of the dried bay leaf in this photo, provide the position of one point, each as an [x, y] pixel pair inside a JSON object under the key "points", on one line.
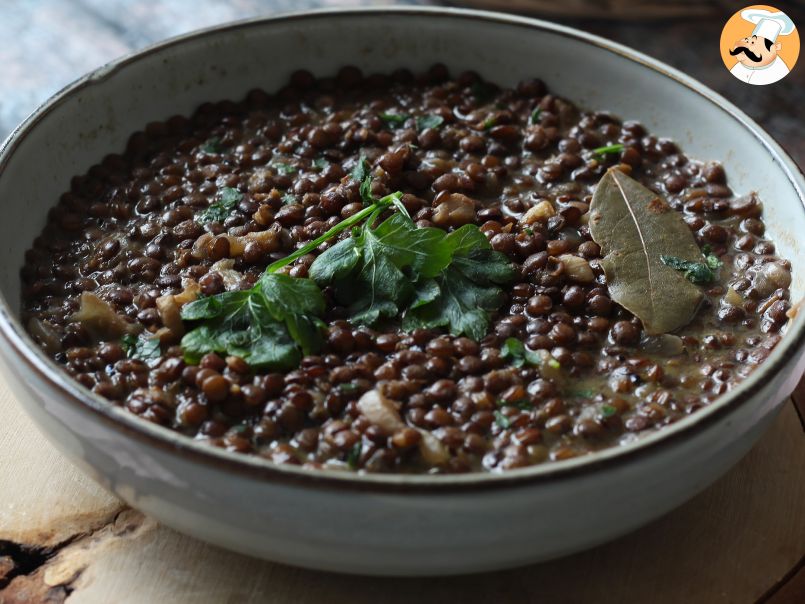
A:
{"points": [[635, 227]]}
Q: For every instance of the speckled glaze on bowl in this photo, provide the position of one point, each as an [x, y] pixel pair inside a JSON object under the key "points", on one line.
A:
{"points": [[393, 525]]}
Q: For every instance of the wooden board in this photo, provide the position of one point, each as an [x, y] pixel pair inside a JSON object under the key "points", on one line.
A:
{"points": [[62, 536]]}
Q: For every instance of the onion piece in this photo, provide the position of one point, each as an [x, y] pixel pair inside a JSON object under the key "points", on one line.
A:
{"points": [[100, 319]]}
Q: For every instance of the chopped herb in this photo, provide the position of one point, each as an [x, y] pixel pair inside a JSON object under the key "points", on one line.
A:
{"points": [[394, 120], [501, 420], [284, 168], [212, 146], [528, 231], [361, 170], [514, 350], [700, 273], [489, 122], [354, 455], [582, 393], [522, 404], [288, 198], [219, 210], [535, 115], [609, 149], [608, 410], [144, 348], [348, 387], [713, 261], [423, 122], [320, 164]]}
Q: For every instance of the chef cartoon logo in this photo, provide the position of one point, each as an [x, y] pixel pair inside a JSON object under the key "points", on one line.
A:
{"points": [[760, 45]]}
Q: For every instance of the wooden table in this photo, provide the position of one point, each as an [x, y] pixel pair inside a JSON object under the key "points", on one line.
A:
{"points": [[63, 537]]}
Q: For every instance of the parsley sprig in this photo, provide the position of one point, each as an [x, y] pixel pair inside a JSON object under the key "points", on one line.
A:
{"points": [[700, 273], [222, 207], [426, 276]]}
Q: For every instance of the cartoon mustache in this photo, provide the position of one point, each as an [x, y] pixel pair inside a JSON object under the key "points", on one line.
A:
{"points": [[742, 49]]}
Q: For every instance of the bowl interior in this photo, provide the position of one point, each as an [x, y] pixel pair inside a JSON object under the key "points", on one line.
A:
{"points": [[98, 114]]}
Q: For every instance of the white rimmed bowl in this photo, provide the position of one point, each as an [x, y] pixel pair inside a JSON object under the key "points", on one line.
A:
{"points": [[395, 525]]}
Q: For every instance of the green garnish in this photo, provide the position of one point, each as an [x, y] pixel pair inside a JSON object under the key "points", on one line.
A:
{"points": [[319, 164], [700, 273], [608, 149], [489, 122], [501, 420], [283, 168], [219, 210], [522, 404], [394, 120], [354, 455], [431, 277], [608, 410], [428, 276], [535, 115], [288, 198], [212, 146], [582, 393], [518, 355], [266, 325], [348, 387], [424, 122], [143, 347]]}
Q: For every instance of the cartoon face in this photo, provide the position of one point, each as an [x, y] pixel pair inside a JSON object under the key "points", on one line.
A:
{"points": [[755, 51]]}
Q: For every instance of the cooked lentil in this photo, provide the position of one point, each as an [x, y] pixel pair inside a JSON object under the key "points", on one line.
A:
{"points": [[519, 163]]}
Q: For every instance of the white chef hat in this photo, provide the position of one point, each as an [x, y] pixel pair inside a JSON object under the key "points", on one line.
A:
{"points": [[768, 25]]}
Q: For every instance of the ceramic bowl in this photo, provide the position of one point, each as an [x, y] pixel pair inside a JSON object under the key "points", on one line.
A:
{"points": [[394, 525]]}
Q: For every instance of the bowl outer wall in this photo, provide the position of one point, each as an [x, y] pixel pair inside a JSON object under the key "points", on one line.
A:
{"points": [[306, 522]]}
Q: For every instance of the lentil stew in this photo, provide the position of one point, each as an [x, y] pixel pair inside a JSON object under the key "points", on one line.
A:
{"points": [[150, 277]]}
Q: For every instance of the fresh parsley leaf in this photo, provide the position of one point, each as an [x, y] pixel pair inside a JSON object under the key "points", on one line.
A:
{"points": [[713, 262], [523, 404], [489, 122], [266, 325], [354, 455], [219, 210], [514, 351], [700, 273], [501, 420], [469, 287], [144, 348], [535, 115], [608, 410], [393, 120], [423, 122], [320, 164], [518, 355], [371, 272], [283, 168], [288, 198], [212, 146], [608, 149]]}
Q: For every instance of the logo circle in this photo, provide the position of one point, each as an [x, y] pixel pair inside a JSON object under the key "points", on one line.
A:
{"points": [[759, 45]]}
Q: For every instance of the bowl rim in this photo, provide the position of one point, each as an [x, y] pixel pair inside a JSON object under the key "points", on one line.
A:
{"points": [[22, 347]]}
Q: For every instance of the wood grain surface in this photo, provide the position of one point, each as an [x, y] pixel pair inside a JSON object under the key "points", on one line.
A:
{"points": [[62, 538]]}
